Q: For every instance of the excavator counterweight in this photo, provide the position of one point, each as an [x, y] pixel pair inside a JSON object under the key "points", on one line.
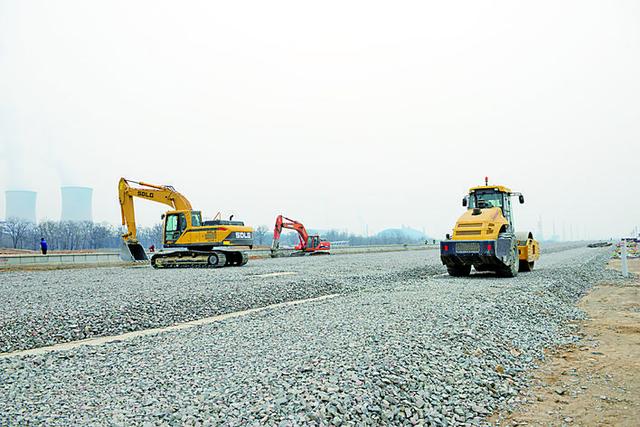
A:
{"points": [[187, 240]]}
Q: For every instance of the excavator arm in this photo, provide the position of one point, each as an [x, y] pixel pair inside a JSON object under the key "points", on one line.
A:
{"points": [[284, 222], [155, 193]]}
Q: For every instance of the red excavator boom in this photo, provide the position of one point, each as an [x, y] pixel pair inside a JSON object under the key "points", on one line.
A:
{"points": [[311, 245]]}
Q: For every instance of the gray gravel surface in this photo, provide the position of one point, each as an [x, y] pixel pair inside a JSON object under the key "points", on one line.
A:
{"points": [[49, 307], [404, 346]]}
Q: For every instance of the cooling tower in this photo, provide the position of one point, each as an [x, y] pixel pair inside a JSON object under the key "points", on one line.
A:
{"points": [[21, 205], [76, 204]]}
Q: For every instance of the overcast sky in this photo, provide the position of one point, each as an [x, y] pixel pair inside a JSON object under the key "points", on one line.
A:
{"points": [[340, 114]]}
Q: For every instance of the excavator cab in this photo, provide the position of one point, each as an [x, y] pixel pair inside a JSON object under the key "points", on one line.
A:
{"points": [[317, 245], [175, 224], [313, 242]]}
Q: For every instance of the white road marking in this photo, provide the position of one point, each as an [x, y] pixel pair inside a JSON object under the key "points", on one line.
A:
{"points": [[281, 273], [177, 327]]}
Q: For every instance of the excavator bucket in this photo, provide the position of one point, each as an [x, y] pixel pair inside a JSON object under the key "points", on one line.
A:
{"points": [[133, 252]]}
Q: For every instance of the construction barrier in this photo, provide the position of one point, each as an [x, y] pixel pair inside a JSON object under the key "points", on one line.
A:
{"points": [[35, 259]]}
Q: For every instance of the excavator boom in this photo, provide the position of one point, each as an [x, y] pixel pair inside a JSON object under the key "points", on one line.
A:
{"points": [[284, 222], [155, 193]]}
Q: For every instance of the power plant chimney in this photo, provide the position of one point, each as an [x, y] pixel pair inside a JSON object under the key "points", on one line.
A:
{"points": [[21, 205], [76, 204]]}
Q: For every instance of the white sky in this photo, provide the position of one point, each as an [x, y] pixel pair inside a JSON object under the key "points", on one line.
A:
{"points": [[336, 113]]}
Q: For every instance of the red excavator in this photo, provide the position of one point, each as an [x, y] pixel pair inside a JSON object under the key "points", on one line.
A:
{"points": [[309, 245]]}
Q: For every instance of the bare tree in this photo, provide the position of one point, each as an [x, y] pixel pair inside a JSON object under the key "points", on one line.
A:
{"points": [[260, 234], [102, 236], [17, 229], [151, 235]]}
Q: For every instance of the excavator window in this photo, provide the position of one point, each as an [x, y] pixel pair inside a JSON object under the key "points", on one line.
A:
{"points": [[196, 219], [174, 226], [182, 223], [172, 223], [171, 227]]}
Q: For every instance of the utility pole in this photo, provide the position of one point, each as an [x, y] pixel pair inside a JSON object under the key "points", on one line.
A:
{"points": [[623, 257], [366, 232]]}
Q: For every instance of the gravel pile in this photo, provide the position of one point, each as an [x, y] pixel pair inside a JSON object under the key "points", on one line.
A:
{"points": [[50, 307], [407, 348]]}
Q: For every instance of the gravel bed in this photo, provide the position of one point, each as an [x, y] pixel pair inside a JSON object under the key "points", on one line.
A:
{"points": [[405, 349], [49, 307], [553, 247]]}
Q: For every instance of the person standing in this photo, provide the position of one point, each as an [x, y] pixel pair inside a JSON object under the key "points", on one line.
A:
{"points": [[43, 246]]}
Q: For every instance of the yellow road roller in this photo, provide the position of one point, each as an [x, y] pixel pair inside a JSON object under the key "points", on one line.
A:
{"points": [[484, 236]]}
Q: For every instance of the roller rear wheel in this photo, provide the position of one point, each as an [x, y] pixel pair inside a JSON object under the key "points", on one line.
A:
{"points": [[525, 266], [511, 269]]}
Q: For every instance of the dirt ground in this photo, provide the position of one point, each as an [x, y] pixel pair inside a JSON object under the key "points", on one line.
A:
{"points": [[597, 381]]}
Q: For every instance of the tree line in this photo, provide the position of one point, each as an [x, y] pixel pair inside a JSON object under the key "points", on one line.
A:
{"points": [[79, 235], [263, 236], [71, 235]]}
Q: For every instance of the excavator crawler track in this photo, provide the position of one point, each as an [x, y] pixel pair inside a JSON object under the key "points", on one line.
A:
{"points": [[199, 259]]}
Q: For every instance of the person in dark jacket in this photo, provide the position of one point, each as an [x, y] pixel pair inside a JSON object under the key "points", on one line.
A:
{"points": [[43, 246]]}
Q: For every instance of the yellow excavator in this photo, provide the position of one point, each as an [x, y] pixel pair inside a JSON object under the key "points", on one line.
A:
{"points": [[484, 236], [188, 241]]}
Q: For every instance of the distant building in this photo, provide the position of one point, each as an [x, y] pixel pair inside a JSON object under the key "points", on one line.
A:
{"points": [[77, 204], [21, 205]]}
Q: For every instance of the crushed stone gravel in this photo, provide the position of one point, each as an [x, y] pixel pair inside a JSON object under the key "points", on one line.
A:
{"points": [[402, 345], [44, 308]]}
